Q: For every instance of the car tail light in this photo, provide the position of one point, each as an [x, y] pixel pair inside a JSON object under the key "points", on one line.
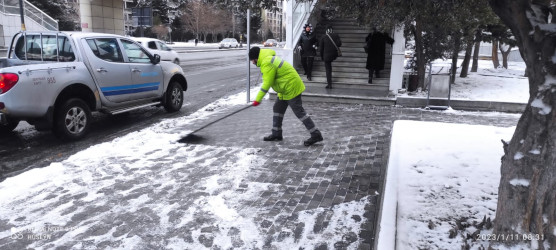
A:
{"points": [[7, 81]]}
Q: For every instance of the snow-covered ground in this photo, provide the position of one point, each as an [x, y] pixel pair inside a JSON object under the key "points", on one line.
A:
{"points": [[447, 172], [192, 44], [123, 193], [201, 45], [444, 179], [487, 84]]}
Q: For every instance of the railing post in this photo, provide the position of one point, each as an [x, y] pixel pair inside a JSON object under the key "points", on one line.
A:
{"points": [[22, 14], [248, 61]]}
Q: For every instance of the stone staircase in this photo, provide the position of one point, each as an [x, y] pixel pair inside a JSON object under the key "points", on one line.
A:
{"points": [[349, 75]]}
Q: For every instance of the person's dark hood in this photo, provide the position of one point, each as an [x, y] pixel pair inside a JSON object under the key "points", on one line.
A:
{"points": [[310, 31]]}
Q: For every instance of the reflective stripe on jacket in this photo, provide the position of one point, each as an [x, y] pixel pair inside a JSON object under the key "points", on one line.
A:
{"points": [[279, 75]]}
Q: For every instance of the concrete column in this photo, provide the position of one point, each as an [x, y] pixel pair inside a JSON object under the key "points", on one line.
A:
{"points": [[398, 57], [86, 15], [104, 16], [288, 48]]}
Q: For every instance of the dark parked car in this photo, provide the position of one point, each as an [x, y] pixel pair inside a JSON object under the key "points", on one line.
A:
{"points": [[270, 43]]}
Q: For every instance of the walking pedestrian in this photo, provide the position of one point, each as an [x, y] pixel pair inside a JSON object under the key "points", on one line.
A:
{"points": [[376, 49], [282, 78], [329, 48], [306, 44], [196, 41]]}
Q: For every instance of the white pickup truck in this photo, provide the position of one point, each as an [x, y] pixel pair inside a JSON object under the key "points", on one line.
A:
{"points": [[54, 80]]}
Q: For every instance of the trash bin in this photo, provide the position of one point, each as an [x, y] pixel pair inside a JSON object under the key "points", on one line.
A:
{"points": [[410, 81], [413, 82]]}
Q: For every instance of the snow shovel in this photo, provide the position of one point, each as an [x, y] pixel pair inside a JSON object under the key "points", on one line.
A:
{"points": [[189, 138]]}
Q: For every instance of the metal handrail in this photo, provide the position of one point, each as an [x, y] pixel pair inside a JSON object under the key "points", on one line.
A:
{"points": [[32, 12]]}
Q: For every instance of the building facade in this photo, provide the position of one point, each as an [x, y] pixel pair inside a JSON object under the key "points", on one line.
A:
{"points": [[273, 20], [105, 16]]}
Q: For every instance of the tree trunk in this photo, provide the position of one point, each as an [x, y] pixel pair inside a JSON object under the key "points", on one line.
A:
{"points": [[527, 190], [421, 63], [455, 55], [505, 54], [476, 50], [465, 64], [495, 60]]}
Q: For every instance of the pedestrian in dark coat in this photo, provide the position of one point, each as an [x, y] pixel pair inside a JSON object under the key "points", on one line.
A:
{"points": [[307, 43], [328, 47], [376, 49]]}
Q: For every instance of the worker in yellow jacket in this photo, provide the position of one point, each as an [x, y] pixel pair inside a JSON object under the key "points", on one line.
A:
{"points": [[282, 78]]}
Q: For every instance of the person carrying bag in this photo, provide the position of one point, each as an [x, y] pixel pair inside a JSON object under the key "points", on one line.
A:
{"points": [[329, 48], [338, 49]]}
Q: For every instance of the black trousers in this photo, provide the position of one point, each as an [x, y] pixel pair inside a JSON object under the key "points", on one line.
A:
{"points": [[296, 105], [328, 68], [376, 71], [307, 63]]}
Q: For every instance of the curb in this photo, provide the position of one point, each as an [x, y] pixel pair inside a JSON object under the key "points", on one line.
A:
{"points": [[467, 105], [414, 102]]}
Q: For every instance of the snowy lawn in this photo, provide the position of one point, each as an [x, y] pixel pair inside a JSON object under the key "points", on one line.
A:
{"points": [[445, 181], [487, 84], [203, 45]]}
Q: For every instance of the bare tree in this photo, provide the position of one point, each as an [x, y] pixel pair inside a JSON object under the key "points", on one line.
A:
{"points": [[527, 190], [161, 31], [219, 22], [195, 16], [204, 18]]}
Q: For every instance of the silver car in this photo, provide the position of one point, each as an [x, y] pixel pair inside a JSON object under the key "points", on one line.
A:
{"points": [[228, 43], [54, 80]]}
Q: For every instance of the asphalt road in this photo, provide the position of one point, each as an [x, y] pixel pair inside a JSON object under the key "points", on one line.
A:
{"points": [[211, 75]]}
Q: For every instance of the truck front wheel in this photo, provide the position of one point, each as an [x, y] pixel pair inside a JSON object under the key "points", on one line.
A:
{"points": [[174, 97], [7, 128], [72, 120]]}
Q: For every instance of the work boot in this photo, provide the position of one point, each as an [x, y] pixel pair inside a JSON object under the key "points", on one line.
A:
{"points": [[316, 137], [273, 137]]}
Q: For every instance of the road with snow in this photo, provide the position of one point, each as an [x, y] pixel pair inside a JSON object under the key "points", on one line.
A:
{"points": [[210, 75]]}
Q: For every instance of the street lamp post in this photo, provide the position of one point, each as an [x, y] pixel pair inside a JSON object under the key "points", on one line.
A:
{"points": [[248, 61]]}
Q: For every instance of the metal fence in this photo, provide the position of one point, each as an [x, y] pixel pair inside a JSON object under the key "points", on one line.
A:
{"points": [[11, 7]]}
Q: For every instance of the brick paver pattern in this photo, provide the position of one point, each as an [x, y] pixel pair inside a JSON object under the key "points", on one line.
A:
{"points": [[350, 164]]}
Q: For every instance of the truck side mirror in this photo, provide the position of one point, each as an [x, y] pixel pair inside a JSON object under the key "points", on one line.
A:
{"points": [[155, 59]]}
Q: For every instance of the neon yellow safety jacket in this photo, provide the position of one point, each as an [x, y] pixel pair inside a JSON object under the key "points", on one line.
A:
{"points": [[278, 75]]}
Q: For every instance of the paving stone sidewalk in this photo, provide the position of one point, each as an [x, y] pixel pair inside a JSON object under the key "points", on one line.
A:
{"points": [[349, 165], [230, 190]]}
